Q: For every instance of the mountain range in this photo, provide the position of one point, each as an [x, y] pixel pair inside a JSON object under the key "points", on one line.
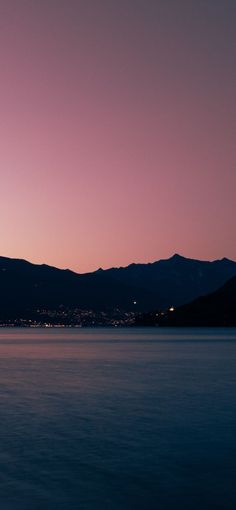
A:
{"points": [[27, 287]]}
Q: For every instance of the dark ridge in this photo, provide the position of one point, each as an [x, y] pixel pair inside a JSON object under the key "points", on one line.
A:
{"points": [[215, 309]]}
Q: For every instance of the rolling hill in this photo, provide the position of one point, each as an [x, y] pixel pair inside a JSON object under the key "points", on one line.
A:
{"points": [[215, 309]]}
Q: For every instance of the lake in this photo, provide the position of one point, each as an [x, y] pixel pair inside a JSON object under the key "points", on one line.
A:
{"points": [[117, 419]]}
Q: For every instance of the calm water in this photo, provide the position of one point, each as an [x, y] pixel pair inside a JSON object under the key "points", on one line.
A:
{"points": [[118, 419]]}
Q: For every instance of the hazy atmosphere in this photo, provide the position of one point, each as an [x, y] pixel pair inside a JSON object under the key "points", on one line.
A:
{"points": [[117, 130]]}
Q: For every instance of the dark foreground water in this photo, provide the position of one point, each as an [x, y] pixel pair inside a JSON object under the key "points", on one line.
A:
{"points": [[118, 419]]}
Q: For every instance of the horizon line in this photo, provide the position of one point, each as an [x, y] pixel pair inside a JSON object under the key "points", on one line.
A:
{"points": [[175, 255]]}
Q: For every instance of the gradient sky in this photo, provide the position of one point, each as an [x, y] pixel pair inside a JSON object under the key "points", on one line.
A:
{"points": [[117, 130]]}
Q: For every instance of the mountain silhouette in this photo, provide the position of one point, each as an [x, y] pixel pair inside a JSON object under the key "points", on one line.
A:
{"points": [[26, 287], [176, 280], [215, 309]]}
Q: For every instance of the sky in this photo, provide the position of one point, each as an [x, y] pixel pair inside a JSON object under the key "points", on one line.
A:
{"points": [[117, 131]]}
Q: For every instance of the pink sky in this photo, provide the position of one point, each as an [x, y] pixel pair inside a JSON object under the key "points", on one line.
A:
{"points": [[117, 131]]}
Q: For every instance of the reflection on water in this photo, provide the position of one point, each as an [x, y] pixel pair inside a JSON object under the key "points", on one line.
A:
{"points": [[117, 419]]}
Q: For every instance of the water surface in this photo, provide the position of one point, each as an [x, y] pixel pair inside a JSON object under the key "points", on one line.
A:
{"points": [[117, 419]]}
